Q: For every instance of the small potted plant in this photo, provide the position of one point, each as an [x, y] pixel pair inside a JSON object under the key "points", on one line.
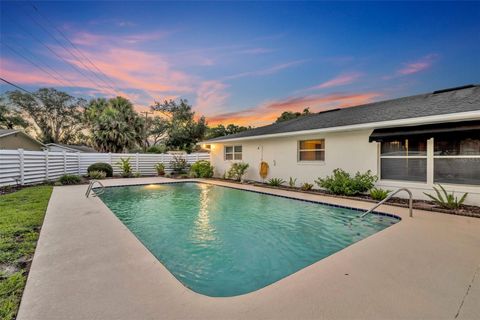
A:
{"points": [[160, 167]]}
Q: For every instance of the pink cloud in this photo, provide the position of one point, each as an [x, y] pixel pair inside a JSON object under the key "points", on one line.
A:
{"points": [[267, 112], [211, 96], [266, 71], [340, 80], [413, 67]]}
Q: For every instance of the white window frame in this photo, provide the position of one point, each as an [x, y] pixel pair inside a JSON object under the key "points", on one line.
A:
{"points": [[407, 156], [233, 153], [451, 157], [311, 161]]}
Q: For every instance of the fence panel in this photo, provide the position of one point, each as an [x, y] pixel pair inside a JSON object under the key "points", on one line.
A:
{"points": [[31, 167]]}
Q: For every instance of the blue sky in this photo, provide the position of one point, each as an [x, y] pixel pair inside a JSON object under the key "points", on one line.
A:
{"points": [[242, 62]]}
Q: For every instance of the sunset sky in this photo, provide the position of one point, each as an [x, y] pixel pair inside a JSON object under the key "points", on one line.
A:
{"points": [[241, 63]]}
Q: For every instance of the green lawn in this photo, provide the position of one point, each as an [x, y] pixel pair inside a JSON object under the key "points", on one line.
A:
{"points": [[21, 217]]}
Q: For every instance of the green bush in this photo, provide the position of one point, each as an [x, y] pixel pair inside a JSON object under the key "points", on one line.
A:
{"points": [[343, 184], [448, 200], [157, 149], [101, 166], [237, 171], [379, 194], [275, 182], [68, 179], [179, 165], [201, 169], [292, 182], [306, 186], [97, 174], [160, 167], [125, 166]]}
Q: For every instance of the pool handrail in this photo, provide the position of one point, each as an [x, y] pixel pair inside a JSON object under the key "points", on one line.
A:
{"points": [[410, 202], [90, 188]]}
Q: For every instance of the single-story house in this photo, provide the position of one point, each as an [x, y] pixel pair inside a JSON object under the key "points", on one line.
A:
{"points": [[414, 142], [70, 148], [16, 139]]}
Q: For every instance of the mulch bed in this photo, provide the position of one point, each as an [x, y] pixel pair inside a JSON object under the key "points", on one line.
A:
{"points": [[465, 210]]}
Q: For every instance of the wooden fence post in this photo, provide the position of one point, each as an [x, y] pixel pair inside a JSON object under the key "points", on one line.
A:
{"points": [[22, 166]]}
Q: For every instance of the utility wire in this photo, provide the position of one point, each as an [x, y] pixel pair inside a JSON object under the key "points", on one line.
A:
{"points": [[69, 51], [72, 44], [16, 86], [33, 63], [46, 65]]}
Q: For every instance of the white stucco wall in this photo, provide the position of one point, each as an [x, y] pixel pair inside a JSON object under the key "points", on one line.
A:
{"points": [[350, 151]]}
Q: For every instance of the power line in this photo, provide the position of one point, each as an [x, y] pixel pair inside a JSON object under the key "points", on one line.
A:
{"points": [[48, 66], [72, 44], [33, 63], [68, 50], [48, 47], [16, 86]]}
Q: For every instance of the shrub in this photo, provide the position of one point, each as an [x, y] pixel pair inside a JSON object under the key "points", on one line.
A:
{"points": [[292, 182], [68, 179], [179, 164], [101, 166], [306, 186], [125, 166], [237, 171], [343, 184], [97, 174], [160, 167], [201, 169], [448, 200], [275, 182], [379, 194], [157, 149]]}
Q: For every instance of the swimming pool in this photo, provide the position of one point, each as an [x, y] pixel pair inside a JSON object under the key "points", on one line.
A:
{"points": [[221, 241]]}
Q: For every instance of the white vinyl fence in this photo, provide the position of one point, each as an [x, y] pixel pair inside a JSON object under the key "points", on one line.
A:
{"points": [[30, 167]]}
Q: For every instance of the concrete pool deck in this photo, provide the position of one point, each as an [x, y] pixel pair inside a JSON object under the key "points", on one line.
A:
{"points": [[88, 265]]}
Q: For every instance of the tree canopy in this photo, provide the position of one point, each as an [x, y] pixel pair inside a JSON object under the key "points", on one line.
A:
{"points": [[221, 130], [182, 130], [289, 115], [113, 124], [11, 118], [55, 114]]}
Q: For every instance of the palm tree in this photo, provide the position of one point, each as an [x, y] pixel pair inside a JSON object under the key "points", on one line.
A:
{"points": [[113, 124]]}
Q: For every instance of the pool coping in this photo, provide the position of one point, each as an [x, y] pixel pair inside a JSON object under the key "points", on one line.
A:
{"points": [[89, 265]]}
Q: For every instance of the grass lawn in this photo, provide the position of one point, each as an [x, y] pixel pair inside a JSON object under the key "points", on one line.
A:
{"points": [[21, 217]]}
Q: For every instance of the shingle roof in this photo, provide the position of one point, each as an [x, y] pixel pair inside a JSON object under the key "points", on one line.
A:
{"points": [[455, 100]]}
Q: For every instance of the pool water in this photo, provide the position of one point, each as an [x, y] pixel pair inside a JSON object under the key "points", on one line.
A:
{"points": [[222, 242]]}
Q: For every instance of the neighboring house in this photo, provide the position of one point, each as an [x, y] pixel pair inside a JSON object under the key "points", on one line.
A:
{"points": [[16, 139], [70, 148], [414, 142]]}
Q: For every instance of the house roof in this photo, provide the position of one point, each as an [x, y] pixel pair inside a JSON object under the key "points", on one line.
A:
{"points": [[73, 147], [441, 102], [7, 132]]}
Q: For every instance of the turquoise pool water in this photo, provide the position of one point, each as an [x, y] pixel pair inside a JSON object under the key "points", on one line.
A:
{"points": [[224, 242]]}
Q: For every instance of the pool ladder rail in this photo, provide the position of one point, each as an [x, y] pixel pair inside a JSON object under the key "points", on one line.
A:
{"points": [[90, 189], [410, 202]]}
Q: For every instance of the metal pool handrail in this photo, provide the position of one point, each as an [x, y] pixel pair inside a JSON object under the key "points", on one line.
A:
{"points": [[410, 202], [90, 187]]}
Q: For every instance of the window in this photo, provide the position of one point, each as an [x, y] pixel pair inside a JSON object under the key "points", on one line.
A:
{"points": [[404, 159], [457, 159], [311, 150], [233, 152]]}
